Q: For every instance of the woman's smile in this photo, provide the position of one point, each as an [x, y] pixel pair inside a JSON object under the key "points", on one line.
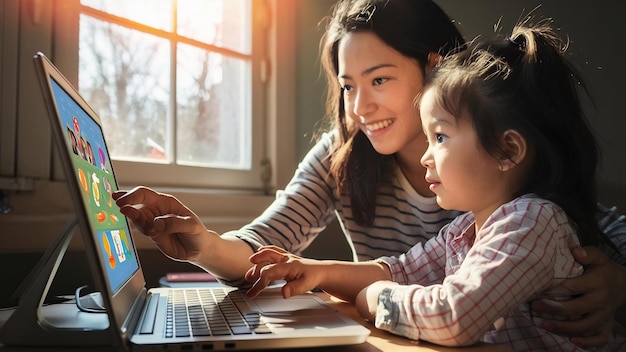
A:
{"points": [[378, 125]]}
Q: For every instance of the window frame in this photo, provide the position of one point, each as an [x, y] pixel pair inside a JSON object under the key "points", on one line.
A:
{"points": [[273, 114]]}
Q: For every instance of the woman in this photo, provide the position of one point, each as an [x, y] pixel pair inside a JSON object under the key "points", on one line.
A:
{"points": [[366, 170]]}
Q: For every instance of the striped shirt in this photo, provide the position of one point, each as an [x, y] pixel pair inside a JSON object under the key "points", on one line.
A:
{"points": [[309, 203], [614, 227], [461, 287]]}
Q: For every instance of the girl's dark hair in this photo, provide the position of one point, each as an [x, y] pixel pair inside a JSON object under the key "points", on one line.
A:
{"points": [[414, 28], [526, 83]]}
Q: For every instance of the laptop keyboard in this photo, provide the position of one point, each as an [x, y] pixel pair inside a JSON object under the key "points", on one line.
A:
{"points": [[210, 312]]}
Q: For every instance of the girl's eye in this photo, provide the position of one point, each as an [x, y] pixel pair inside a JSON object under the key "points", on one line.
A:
{"points": [[379, 81], [347, 88], [440, 138]]}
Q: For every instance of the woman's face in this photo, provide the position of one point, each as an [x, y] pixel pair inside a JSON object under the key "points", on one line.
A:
{"points": [[380, 86]]}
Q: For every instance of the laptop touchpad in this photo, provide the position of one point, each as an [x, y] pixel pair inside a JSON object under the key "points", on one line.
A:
{"points": [[301, 304]]}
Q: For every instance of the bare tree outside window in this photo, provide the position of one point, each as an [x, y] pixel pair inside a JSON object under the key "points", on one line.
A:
{"points": [[170, 89]]}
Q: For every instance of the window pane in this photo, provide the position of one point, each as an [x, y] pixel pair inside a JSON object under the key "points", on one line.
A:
{"points": [[218, 22], [212, 109], [154, 13], [124, 75], [127, 74]]}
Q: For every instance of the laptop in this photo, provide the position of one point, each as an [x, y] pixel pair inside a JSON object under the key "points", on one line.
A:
{"points": [[214, 318]]}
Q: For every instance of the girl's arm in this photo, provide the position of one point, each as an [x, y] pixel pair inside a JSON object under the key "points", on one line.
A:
{"points": [[338, 278], [423, 264], [512, 259]]}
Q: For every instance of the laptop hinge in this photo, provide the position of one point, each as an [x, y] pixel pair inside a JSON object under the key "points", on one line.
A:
{"points": [[132, 320], [149, 316]]}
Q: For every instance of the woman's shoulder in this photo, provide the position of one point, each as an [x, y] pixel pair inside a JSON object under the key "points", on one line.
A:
{"points": [[319, 156], [316, 163], [323, 145]]}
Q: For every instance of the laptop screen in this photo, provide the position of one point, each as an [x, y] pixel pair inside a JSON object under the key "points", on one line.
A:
{"points": [[94, 174]]}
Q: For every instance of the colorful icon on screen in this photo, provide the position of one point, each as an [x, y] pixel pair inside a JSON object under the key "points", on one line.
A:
{"points": [[126, 244], [109, 189], [107, 248], [76, 125], [83, 180], [101, 216], [95, 184], [117, 243], [103, 161]]}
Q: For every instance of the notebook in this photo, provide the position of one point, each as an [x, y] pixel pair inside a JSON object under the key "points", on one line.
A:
{"points": [[221, 318]]}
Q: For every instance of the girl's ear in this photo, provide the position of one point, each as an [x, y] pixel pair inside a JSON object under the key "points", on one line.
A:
{"points": [[516, 149], [434, 59]]}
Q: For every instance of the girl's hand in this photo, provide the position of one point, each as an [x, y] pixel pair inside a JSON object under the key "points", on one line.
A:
{"points": [[272, 263], [599, 291]]}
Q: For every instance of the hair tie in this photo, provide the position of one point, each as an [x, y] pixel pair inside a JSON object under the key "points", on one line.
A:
{"points": [[516, 42]]}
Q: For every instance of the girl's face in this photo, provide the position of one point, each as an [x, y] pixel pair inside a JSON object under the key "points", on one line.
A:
{"points": [[460, 172], [380, 86]]}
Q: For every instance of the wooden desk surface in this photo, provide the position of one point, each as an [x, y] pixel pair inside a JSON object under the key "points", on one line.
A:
{"points": [[380, 340]]}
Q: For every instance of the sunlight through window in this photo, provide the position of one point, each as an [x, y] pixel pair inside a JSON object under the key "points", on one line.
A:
{"points": [[170, 79]]}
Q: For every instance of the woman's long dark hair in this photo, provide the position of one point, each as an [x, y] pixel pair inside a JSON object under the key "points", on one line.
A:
{"points": [[414, 28], [526, 83]]}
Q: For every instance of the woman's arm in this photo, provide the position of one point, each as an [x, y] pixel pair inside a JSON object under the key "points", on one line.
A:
{"points": [[179, 233], [301, 210], [293, 220], [599, 292]]}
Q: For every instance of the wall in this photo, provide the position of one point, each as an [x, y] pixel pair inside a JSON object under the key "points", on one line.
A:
{"points": [[310, 80]]}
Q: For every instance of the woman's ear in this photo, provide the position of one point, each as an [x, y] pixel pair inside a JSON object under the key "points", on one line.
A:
{"points": [[434, 59], [516, 149]]}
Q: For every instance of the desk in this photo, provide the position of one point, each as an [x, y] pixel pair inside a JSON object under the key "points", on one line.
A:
{"points": [[378, 340]]}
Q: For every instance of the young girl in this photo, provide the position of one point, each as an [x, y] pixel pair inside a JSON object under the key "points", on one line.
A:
{"points": [[508, 144]]}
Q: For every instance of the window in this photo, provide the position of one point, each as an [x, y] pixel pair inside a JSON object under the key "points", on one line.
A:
{"points": [[180, 86]]}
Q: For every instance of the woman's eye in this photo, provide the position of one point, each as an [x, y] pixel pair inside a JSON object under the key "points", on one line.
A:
{"points": [[347, 88], [379, 81], [440, 138]]}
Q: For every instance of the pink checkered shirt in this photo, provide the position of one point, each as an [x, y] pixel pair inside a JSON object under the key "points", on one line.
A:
{"points": [[460, 287]]}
